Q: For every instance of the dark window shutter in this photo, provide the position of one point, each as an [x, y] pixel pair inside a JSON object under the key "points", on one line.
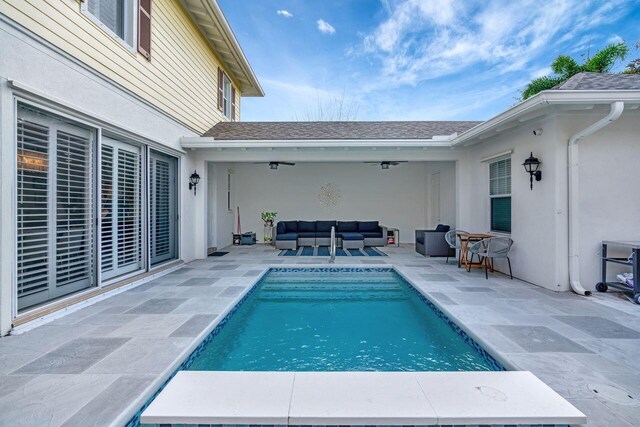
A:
{"points": [[220, 88], [144, 28], [233, 104]]}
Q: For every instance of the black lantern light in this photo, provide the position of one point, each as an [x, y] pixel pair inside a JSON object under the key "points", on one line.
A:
{"points": [[531, 165], [194, 179]]}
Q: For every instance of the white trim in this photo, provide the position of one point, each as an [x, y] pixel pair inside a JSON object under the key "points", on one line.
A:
{"points": [[496, 157], [62, 108], [209, 142], [130, 24]]}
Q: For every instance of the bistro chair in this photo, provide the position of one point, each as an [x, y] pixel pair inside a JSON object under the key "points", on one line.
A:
{"points": [[454, 243], [489, 249]]}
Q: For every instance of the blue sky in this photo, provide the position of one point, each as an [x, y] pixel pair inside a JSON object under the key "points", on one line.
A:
{"points": [[413, 59]]}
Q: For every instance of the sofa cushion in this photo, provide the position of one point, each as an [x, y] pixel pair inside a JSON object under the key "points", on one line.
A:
{"points": [[287, 236], [368, 226], [324, 234], [291, 226], [306, 226], [443, 228], [352, 236], [325, 226], [307, 234], [348, 226], [371, 235], [281, 228]]}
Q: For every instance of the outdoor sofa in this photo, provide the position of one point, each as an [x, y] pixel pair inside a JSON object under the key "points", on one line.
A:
{"points": [[433, 243], [349, 234]]}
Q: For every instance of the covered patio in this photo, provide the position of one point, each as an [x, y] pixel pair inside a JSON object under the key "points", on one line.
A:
{"points": [[99, 364]]}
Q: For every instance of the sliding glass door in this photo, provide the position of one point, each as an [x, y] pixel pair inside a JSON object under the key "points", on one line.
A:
{"points": [[121, 249], [163, 213], [54, 207]]}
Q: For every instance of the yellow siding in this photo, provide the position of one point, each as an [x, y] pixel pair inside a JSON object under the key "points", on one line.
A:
{"points": [[181, 77]]}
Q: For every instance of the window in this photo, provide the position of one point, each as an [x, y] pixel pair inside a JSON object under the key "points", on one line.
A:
{"points": [[500, 195], [54, 207], [116, 16], [163, 215], [226, 96]]}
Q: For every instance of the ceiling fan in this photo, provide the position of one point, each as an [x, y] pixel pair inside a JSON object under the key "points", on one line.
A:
{"points": [[385, 165], [274, 165]]}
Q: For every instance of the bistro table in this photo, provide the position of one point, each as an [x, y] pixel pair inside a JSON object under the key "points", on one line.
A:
{"points": [[465, 240]]}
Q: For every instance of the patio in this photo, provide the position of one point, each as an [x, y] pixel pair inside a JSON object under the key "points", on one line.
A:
{"points": [[97, 365]]}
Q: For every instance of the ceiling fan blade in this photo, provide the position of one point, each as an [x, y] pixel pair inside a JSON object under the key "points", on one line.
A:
{"points": [[286, 163]]}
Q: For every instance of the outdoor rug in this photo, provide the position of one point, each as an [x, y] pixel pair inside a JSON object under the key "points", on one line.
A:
{"points": [[218, 254], [324, 251]]}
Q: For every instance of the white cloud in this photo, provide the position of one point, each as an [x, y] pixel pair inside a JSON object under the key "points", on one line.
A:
{"points": [[426, 39], [615, 39], [325, 27], [285, 13]]}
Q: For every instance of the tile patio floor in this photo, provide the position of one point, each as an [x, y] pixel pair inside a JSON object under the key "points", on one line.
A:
{"points": [[87, 368]]}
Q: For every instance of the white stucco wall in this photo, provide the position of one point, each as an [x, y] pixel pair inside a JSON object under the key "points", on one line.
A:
{"points": [[534, 213], [609, 190], [448, 188], [56, 81], [396, 197]]}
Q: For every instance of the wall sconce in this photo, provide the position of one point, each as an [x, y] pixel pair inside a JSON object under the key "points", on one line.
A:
{"points": [[194, 179], [531, 165]]}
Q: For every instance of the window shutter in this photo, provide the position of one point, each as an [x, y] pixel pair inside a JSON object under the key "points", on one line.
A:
{"points": [[33, 208], [233, 104], [144, 28], [220, 89]]}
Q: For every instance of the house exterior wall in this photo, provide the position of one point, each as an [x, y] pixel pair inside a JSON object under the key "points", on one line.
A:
{"points": [[448, 189], [536, 213], [396, 197], [179, 79], [609, 193], [47, 77], [609, 204]]}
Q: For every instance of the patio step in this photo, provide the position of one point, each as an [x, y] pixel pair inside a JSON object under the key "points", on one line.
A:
{"points": [[359, 398]]}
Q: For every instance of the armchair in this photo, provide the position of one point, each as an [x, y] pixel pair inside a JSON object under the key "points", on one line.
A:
{"points": [[433, 243]]}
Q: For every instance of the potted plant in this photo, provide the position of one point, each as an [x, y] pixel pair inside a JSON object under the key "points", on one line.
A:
{"points": [[268, 218]]}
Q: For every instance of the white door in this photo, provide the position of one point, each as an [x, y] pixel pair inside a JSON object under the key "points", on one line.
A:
{"points": [[163, 215], [434, 201], [54, 208], [121, 209]]}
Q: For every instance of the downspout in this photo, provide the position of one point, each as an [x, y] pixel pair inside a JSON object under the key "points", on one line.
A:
{"points": [[617, 108]]}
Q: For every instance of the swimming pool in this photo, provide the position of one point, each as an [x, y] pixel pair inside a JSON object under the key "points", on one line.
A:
{"points": [[338, 319]]}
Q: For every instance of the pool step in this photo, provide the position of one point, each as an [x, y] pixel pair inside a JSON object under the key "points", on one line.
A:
{"points": [[359, 398]]}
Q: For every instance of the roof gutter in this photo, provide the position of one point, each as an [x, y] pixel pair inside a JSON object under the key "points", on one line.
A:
{"points": [[617, 107], [527, 109]]}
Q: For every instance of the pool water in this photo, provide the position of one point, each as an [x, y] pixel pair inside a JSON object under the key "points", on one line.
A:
{"points": [[332, 320]]}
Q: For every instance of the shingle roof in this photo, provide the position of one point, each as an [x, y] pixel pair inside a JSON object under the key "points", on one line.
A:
{"points": [[335, 130], [599, 81]]}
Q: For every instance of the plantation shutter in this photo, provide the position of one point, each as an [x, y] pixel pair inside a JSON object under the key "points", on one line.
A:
{"points": [[121, 209], [106, 209], [74, 237], [233, 104], [220, 89], [54, 207], [144, 28], [33, 209], [129, 230], [162, 208]]}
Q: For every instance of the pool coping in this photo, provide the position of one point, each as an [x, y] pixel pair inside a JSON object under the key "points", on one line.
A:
{"points": [[135, 408]]}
